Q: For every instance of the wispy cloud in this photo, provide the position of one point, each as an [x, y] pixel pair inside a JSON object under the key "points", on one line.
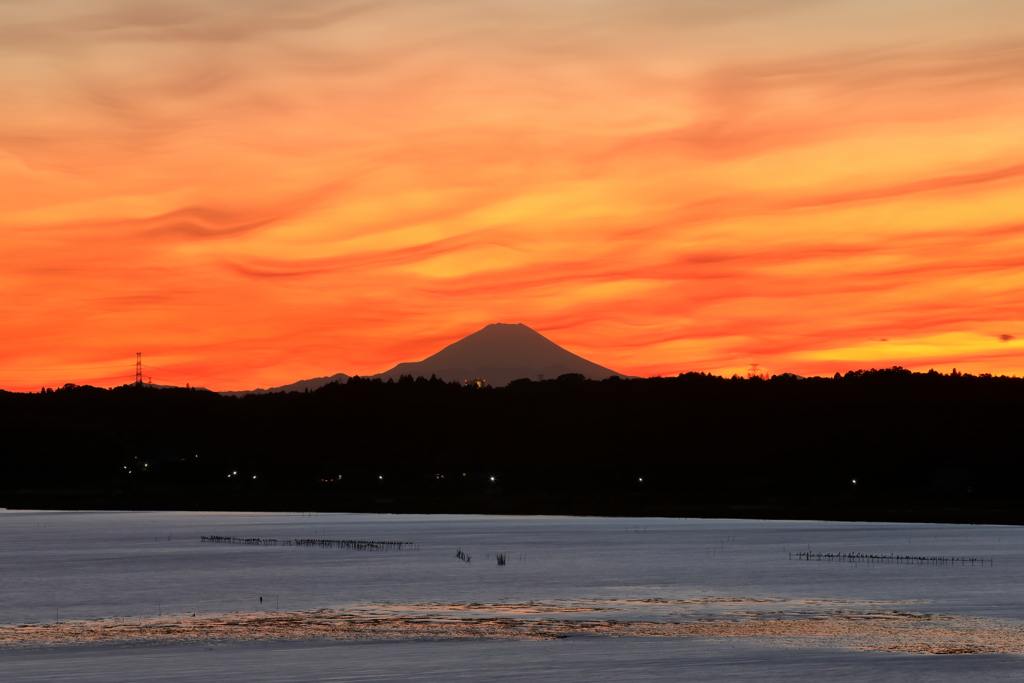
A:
{"points": [[321, 186]]}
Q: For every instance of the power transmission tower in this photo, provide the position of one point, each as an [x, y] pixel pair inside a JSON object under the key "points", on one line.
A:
{"points": [[138, 369]]}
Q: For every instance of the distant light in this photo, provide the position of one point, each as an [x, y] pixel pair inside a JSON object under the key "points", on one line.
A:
{"points": [[234, 473], [254, 476], [380, 477], [641, 478], [854, 481], [492, 478]]}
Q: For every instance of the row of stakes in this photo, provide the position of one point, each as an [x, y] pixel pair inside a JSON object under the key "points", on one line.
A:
{"points": [[501, 558], [892, 559], [315, 543]]}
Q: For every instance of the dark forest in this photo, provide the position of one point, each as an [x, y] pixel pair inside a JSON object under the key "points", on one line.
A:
{"points": [[872, 445]]}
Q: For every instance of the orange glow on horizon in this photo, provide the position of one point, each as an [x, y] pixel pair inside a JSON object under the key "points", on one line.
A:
{"points": [[257, 193]]}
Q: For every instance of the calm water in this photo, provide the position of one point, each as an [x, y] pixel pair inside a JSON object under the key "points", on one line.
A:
{"points": [[576, 660], [102, 564]]}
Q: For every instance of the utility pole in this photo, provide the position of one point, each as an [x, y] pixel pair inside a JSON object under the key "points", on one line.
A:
{"points": [[138, 369]]}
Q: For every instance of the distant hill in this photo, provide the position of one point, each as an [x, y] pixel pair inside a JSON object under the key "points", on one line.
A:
{"points": [[172, 386], [500, 353], [301, 385]]}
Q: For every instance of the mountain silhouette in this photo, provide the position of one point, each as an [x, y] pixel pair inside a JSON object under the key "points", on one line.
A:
{"points": [[500, 353], [301, 385]]}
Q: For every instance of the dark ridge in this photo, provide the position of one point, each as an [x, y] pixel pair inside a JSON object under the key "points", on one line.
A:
{"points": [[301, 385], [871, 445]]}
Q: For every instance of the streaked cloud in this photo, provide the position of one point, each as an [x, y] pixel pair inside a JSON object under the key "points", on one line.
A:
{"points": [[255, 192]]}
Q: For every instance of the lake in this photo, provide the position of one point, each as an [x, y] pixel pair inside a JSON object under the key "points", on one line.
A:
{"points": [[719, 574]]}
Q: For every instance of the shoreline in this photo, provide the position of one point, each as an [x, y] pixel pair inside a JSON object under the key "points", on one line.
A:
{"points": [[888, 631], [96, 501]]}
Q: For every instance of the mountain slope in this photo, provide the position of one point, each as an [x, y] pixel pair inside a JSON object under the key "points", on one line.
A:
{"points": [[500, 353], [301, 385]]}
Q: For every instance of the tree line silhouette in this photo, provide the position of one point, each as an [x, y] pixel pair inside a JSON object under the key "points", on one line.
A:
{"points": [[875, 444]]}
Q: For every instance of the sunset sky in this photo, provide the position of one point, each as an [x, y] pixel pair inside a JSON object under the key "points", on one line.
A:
{"points": [[256, 192]]}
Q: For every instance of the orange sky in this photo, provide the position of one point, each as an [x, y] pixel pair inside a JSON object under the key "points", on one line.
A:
{"points": [[252, 193]]}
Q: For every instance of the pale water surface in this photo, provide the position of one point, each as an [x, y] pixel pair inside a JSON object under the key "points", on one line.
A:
{"points": [[93, 565]]}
